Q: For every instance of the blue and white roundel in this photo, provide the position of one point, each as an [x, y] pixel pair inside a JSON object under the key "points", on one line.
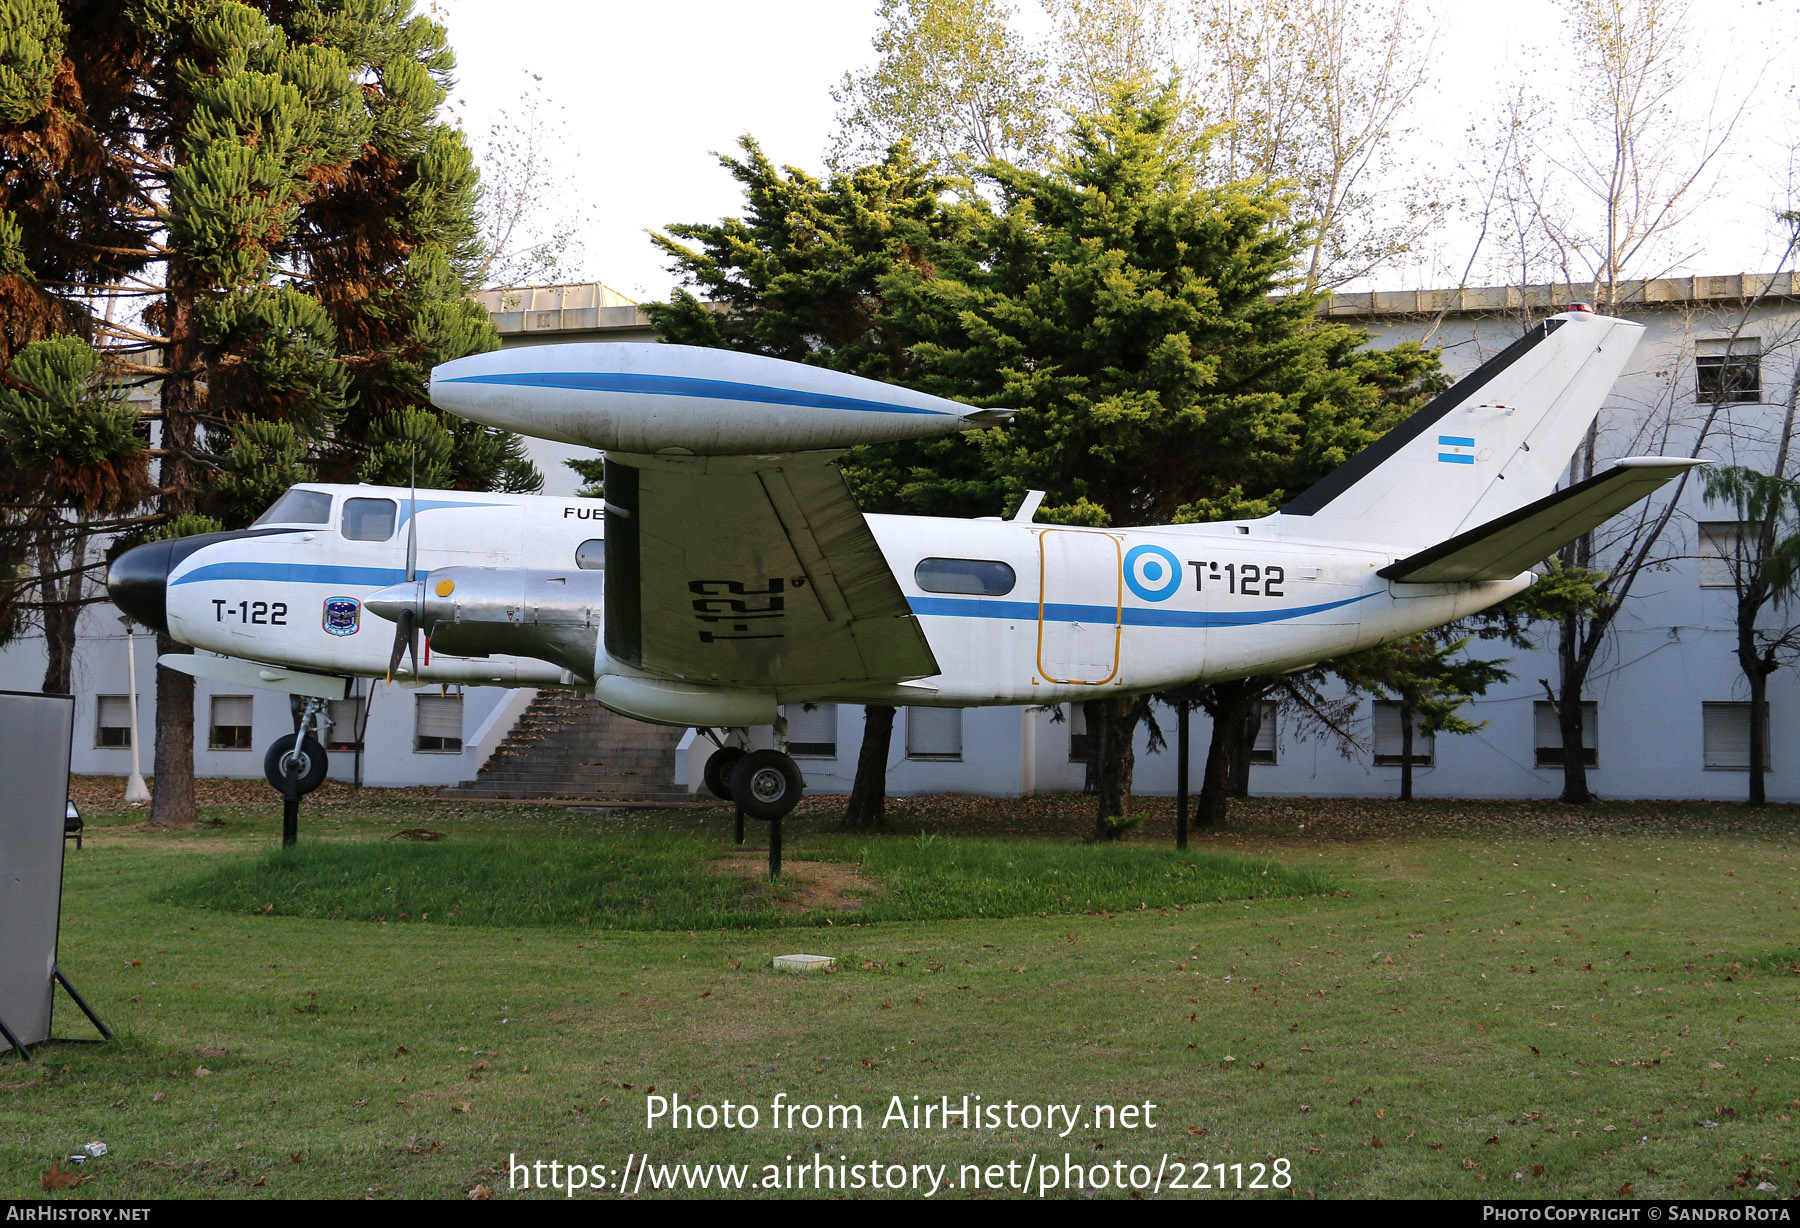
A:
{"points": [[1152, 572]]}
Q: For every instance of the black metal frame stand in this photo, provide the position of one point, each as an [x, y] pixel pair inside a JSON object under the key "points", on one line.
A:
{"points": [[60, 978], [774, 848]]}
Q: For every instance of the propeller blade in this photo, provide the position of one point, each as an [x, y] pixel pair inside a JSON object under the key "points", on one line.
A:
{"points": [[403, 629]]}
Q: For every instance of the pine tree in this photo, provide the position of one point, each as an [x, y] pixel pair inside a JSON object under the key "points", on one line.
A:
{"points": [[831, 273], [1164, 363], [252, 207]]}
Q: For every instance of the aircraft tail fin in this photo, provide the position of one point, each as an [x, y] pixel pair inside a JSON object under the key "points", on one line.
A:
{"points": [[1502, 548], [1493, 443]]}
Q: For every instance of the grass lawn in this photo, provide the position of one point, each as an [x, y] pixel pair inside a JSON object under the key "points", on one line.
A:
{"points": [[1424, 1000]]}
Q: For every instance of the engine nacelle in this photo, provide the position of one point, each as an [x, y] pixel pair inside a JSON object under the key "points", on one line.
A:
{"points": [[552, 616]]}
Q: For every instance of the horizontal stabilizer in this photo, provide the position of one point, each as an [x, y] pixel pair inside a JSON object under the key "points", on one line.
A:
{"points": [[1502, 548]]}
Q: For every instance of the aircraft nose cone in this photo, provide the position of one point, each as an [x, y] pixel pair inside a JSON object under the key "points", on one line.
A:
{"points": [[138, 582]]}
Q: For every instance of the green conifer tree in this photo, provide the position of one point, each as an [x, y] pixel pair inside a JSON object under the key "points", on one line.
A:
{"points": [[251, 206]]}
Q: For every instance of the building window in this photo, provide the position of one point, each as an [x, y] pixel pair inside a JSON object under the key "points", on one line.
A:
{"points": [[1078, 737], [1387, 737], [112, 722], [437, 724], [1547, 733], [934, 733], [346, 717], [1725, 733], [811, 730], [1263, 750], [369, 520], [1725, 547], [231, 724], [977, 577], [1728, 372]]}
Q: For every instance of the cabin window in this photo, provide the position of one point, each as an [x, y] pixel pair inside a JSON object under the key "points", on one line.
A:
{"points": [[811, 730], [438, 724], [231, 724], [977, 577], [299, 507], [934, 733], [590, 555], [369, 520], [113, 722]]}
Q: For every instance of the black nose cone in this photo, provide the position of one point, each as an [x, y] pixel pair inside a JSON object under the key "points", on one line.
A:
{"points": [[138, 582]]}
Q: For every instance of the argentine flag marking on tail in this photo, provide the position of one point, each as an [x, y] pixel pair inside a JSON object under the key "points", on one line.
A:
{"points": [[1457, 450]]}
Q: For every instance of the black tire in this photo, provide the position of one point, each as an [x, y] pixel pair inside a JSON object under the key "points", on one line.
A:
{"points": [[312, 764], [766, 784], [718, 770]]}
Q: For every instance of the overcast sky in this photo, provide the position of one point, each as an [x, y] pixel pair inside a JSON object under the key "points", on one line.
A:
{"points": [[649, 93]]}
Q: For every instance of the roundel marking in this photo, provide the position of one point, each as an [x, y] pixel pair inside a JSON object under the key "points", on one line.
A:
{"points": [[1152, 573]]}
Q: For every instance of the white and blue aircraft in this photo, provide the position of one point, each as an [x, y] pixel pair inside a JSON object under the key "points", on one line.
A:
{"points": [[728, 571]]}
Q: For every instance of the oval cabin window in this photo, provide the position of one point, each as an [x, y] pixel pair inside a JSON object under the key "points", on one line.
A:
{"points": [[976, 577], [590, 555]]}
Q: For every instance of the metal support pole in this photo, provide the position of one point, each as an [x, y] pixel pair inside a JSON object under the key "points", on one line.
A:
{"points": [[774, 848], [14, 1041], [290, 801], [1181, 776], [81, 1002]]}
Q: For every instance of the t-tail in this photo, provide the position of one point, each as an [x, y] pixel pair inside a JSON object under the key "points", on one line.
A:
{"points": [[1466, 488]]}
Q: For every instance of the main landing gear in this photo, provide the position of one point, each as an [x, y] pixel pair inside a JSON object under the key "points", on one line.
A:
{"points": [[764, 784], [295, 765]]}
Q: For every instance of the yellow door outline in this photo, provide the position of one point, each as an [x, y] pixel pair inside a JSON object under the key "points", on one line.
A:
{"points": [[1118, 604]]}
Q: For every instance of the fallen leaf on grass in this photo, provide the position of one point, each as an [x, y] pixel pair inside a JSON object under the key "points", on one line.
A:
{"points": [[480, 1194], [59, 1178]]}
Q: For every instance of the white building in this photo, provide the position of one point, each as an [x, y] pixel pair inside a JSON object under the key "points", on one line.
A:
{"points": [[1669, 716]]}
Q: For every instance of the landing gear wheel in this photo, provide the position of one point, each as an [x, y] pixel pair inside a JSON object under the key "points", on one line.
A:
{"points": [[766, 784], [718, 770], [312, 764]]}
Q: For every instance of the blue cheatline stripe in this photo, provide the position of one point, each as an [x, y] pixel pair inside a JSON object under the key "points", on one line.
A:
{"points": [[1056, 612], [1451, 458], [683, 386], [1455, 441], [298, 573]]}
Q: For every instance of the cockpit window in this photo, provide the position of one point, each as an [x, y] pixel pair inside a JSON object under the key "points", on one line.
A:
{"points": [[369, 520], [590, 555], [981, 577], [299, 507]]}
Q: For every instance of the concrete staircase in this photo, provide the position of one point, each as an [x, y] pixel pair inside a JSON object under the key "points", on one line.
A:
{"points": [[565, 745]]}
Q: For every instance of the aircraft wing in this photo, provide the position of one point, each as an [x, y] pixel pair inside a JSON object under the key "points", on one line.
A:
{"points": [[750, 570], [1508, 545]]}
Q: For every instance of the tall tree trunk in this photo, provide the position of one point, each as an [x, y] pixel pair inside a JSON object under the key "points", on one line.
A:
{"points": [[1759, 734], [1406, 753], [1226, 703], [868, 796], [1112, 726], [1573, 671], [172, 796], [1243, 745], [62, 606]]}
